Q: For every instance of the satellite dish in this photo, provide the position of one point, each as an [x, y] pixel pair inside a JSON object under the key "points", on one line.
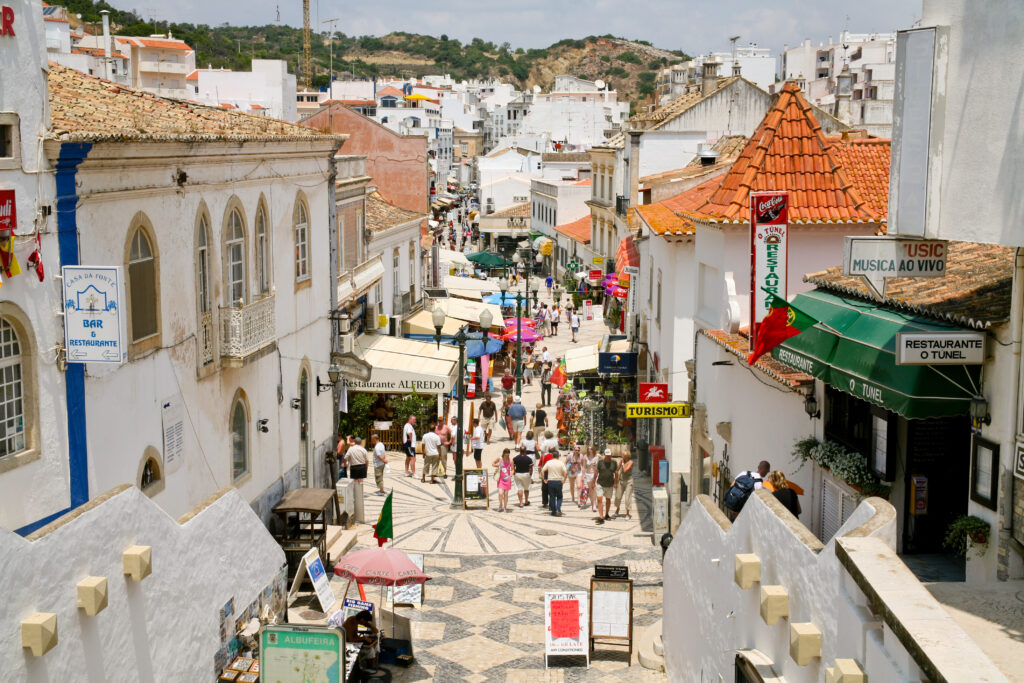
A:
{"points": [[536, 89], [599, 83]]}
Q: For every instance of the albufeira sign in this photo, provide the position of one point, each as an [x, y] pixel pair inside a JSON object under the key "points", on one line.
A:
{"points": [[95, 329]]}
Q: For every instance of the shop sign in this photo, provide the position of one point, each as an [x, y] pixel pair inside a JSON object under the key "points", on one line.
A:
{"points": [[616, 363], [611, 571], [588, 309], [653, 392], [881, 257], [547, 248], [952, 348], [397, 382], [353, 607], [321, 582], [598, 260], [8, 212], [769, 216], [354, 368], [566, 624], [640, 411], [595, 274], [95, 329], [633, 301], [297, 654]]}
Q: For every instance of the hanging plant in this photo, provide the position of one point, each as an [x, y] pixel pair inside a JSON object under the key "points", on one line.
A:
{"points": [[966, 531], [849, 466]]}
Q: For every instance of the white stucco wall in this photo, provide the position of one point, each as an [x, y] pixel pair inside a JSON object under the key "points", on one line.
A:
{"points": [[384, 243], [39, 486], [711, 617], [117, 182], [163, 628]]}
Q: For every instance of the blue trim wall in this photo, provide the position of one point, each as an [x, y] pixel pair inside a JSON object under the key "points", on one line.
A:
{"points": [[71, 155]]}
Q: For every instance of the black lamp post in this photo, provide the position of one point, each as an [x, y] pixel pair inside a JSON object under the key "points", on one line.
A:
{"points": [[503, 284], [460, 339]]}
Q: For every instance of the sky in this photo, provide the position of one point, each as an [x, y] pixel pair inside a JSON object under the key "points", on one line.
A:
{"points": [[692, 26]]}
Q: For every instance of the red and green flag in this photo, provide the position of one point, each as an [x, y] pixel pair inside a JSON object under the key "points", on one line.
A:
{"points": [[558, 377], [383, 530], [783, 321]]}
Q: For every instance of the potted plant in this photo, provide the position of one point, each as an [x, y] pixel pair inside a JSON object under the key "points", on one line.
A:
{"points": [[966, 531]]}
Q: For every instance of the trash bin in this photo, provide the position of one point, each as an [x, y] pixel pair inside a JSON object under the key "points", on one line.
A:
{"points": [[659, 466]]}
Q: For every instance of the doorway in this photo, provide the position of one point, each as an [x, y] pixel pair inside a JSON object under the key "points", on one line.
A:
{"points": [[304, 428]]}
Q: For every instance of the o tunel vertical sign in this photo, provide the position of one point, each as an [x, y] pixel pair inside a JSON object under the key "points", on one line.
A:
{"points": [[769, 233]]}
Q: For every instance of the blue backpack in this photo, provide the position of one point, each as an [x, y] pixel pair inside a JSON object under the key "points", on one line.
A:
{"points": [[737, 495]]}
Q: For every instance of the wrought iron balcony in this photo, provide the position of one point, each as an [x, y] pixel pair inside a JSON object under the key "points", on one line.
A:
{"points": [[246, 329]]}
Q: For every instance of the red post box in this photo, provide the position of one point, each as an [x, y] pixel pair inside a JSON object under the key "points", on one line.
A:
{"points": [[659, 465]]}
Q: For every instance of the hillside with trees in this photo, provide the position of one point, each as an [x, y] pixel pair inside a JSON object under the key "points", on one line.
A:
{"points": [[627, 66]]}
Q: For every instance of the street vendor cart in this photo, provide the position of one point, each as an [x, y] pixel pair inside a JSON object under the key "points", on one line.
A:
{"points": [[303, 515]]}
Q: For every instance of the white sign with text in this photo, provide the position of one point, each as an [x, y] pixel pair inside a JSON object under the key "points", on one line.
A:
{"points": [[95, 329], [951, 348], [881, 257]]}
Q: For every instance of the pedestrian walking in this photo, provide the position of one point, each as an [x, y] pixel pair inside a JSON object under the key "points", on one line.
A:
{"points": [[574, 324], [523, 474], [606, 469], [477, 442], [539, 419], [488, 413], [517, 412], [548, 282], [343, 445], [624, 483], [504, 474], [783, 491], [356, 457], [545, 355], [508, 382], [575, 468], [553, 474], [380, 463], [545, 384], [530, 445], [445, 432], [431, 454], [556, 315], [409, 445], [545, 457], [528, 364], [590, 479]]}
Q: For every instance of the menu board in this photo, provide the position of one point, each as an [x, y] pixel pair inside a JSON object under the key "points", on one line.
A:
{"points": [[474, 486], [411, 594], [565, 624], [611, 608]]}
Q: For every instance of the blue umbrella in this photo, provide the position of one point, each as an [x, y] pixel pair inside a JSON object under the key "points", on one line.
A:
{"points": [[500, 299], [476, 348]]}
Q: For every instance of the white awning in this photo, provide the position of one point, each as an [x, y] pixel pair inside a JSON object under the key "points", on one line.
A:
{"points": [[401, 366], [619, 346], [488, 286], [581, 359], [421, 322], [469, 311], [354, 283], [449, 256], [466, 294]]}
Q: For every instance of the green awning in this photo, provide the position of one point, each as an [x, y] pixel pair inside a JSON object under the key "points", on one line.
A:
{"points": [[861, 358]]}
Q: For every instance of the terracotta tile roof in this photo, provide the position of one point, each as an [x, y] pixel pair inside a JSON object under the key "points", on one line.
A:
{"points": [[85, 108], [573, 157], [257, 106], [578, 230], [729, 147], [227, 105], [586, 182], [975, 292], [514, 211], [867, 162], [95, 52], [389, 90], [56, 19], [789, 152], [381, 215], [739, 346], [157, 43], [672, 216]]}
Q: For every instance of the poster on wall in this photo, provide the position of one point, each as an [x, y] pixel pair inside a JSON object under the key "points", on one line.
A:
{"points": [[172, 415], [769, 223]]}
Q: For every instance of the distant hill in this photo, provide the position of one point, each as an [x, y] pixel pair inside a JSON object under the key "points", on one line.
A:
{"points": [[627, 66]]}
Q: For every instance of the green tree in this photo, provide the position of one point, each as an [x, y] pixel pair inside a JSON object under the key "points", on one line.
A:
{"points": [[629, 57]]}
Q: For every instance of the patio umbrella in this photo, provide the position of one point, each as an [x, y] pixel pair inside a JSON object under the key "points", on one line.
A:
{"points": [[500, 300], [527, 335], [526, 322], [487, 258], [380, 567]]}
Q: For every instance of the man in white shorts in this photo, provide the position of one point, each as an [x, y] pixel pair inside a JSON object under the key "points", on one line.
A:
{"points": [[488, 414]]}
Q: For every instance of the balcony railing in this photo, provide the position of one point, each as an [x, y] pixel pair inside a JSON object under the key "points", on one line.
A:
{"points": [[150, 66], [177, 93], [207, 339], [247, 329], [621, 205]]}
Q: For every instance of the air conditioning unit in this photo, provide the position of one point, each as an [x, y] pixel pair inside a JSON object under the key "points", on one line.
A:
{"points": [[346, 343], [395, 326]]}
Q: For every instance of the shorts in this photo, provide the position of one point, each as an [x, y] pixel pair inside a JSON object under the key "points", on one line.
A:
{"points": [[378, 477], [527, 373], [518, 426], [410, 450], [487, 423], [477, 454], [523, 481], [357, 471], [606, 491]]}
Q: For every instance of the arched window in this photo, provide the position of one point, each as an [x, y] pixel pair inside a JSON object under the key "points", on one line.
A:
{"points": [[239, 440], [396, 287], [203, 266], [262, 252], [301, 241], [151, 472], [234, 258], [142, 286], [12, 392], [412, 272]]}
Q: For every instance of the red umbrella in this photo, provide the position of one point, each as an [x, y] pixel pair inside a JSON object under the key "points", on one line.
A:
{"points": [[526, 322], [379, 567]]}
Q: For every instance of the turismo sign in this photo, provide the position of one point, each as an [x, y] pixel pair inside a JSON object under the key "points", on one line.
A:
{"points": [[953, 348], [95, 329], [880, 257], [769, 230], [637, 411]]}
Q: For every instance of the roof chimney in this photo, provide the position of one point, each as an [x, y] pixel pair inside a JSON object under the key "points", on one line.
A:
{"points": [[710, 77], [735, 67], [106, 43]]}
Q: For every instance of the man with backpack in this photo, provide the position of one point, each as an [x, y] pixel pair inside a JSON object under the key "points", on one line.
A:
{"points": [[743, 486]]}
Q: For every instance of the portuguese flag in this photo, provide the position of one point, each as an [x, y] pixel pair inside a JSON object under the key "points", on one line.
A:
{"points": [[781, 323], [383, 530], [558, 377]]}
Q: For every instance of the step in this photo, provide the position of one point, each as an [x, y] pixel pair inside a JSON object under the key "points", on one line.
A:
{"points": [[339, 541], [650, 650]]}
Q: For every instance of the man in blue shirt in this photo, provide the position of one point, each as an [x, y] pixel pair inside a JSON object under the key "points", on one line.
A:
{"points": [[548, 282], [517, 412]]}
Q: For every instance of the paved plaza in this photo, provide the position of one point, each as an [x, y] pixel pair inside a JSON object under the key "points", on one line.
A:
{"points": [[482, 616]]}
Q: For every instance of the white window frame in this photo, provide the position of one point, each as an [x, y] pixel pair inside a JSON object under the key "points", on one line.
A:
{"points": [[262, 251], [238, 474], [301, 231], [13, 432], [234, 259]]}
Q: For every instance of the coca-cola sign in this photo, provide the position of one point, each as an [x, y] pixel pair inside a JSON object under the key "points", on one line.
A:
{"points": [[771, 208]]}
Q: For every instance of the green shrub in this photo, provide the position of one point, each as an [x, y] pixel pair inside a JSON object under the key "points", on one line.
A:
{"points": [[629, 58]]}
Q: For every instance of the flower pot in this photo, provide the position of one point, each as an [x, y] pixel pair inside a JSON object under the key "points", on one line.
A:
{"points": [[978, 537]]}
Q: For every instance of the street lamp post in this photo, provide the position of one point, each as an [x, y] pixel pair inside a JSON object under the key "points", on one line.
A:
{"points": [[460, 339], [503, 284]]}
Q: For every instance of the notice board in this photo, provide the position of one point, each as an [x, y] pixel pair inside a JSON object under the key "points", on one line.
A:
{"points": [[474, 486], [565, 625], [411, 594], [611, 610]]}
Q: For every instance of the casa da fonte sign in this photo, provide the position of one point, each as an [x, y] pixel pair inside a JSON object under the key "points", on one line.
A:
{"points": [[95, 329]]}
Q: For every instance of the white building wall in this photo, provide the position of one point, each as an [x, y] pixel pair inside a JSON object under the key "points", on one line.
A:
{"points": [[268, 84], [110, 199], [384, 243], [138, 636]]}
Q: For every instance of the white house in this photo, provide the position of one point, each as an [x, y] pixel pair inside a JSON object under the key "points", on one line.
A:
{"points": [[266, 90]]}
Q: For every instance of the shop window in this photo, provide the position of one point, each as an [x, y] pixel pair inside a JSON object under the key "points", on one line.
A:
{"points": [[301, 241], [12, 392], [234, 259], [848, 421], [239, 440], [984, 472], [142, 292], [262, 252]]}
